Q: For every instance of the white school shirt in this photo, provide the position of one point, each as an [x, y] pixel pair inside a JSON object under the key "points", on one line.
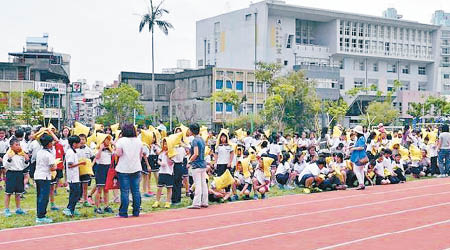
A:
{"points": [[85, 152], [387, 163], [379, 168], [238, 175], [65, 144], [181, 153], [299, 166], [72, 174], [283, 168], [165, 167], [17, 163], [260, 176], [303, 142], [432, 150], [33, 149], [154, 149], [274, 149], [310, 169], [223, 153], [45, 159], [105, 157], [248, 142], [24, 145], [4, 145]]}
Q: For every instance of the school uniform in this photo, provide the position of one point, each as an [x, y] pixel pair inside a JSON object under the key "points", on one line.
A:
{"points": [[165, 178], [273, 152], [282, 173], [85, 152], [14, 173], [33, 149], [45, 159], [389, 168], [178, 172], [102, 166], [145, 154], [379, 171], [242, 181], [399, 170], [73, 178], [223, 152], [432, 151], [311, 170], [153, 158], [261, 178], [4, 145]]}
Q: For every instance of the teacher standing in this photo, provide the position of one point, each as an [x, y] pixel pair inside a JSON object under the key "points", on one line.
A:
{"points": [[198, 164], [359, 157], [129, 151]]}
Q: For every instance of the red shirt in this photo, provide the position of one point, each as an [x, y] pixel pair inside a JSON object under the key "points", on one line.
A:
{"points": [[59, 149]]}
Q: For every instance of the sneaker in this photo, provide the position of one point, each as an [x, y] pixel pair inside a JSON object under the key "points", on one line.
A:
{"points": [[167, 205], [281, 187], [361, 187], [204, 206], [98, 211], [193, 207], [108, 210], [156, 204], [76, 213], [19, 211], [288, 187], [263, 196], [7, 212], [67, 212], [176, 203], [255, 197], [44, 220], [87, 204], [54, 207], [236, 197]]}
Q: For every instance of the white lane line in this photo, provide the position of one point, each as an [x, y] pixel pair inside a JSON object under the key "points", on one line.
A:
{"points": [[321, 227], [216, 214], [260, 221], [385, 234]]}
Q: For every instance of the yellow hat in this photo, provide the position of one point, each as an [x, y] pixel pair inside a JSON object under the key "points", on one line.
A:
{"points": [[267, 133], [223, 181], [240, 134], [117, 133], [172, 141], [38, 134], [91, 139], [80, 129], [115, 127], [416, 154], [50, 126], [101, 137], [87, 168], [267, 163], [404, 153], [223, 132], [184, 130], [245, 163], [336, 132], [147, 137], [98, 127]]}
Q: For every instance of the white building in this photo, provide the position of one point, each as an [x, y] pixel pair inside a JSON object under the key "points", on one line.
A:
{"points": [[339, 50], [86, 104]]}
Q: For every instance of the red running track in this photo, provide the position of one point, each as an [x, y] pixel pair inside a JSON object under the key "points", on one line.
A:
{"points": [[414, 215]]}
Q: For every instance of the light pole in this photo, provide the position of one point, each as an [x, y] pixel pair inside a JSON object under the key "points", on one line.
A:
{"points": [[170, 106]]}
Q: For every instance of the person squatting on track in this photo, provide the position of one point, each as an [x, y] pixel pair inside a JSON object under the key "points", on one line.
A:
{"points": [[210, 167]]}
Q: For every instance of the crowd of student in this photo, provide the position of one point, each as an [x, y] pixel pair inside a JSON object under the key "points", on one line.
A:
{"points": [[209, 167]]}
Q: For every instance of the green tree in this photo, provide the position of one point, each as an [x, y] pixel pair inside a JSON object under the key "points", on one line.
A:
{"points": [[153, 17], [120, 104], [31, 112], [245, 122], [335, 110], [227, 97], [380, 112], [438, 104], [418, 110]]}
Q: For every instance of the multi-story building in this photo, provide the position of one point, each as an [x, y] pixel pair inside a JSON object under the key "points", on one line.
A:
{"points": [[443, 54], [185, 94], [338, 50], [38, 67]]}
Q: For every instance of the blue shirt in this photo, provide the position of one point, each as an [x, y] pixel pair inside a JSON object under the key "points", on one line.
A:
{"points": [[199, 162], [359, 154]]}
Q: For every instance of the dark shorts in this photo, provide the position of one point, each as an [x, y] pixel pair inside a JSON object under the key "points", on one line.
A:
{"points": [[85, 178], [100, 174], [165, 180], [1, 163], [378, 179], [153, 162], [220, 169], [241, 187], [282, 178], [185, 171], [26, 170], [144, 167], [59, 174], [32, 169], [14, 182], [305, 177]]}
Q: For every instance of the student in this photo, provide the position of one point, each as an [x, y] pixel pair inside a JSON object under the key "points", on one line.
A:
{"points": [[224, 155], [398, 167], [260, 181], [145, 169], [155, 149], [310, 175], [242, 181], [4, 145], [299, 165], [165, 178], [389, 168], [283, 174], [370, 174], [45, 163], [178, 171], [380, 178], [432, 151], [73, 175], [103, 159], [85, 152], [15, 161]]}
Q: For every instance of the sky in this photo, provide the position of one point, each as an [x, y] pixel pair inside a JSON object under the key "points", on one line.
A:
{"points": [[103, 39]]}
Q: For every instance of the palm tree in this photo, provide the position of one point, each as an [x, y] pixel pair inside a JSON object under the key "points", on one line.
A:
{"points": [[153, 18]]}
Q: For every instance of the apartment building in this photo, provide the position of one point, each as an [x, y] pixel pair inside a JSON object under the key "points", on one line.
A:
{"points": [[338, 50]]}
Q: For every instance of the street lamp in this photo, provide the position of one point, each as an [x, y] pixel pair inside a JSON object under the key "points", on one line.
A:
{"points": [[170, 106]]}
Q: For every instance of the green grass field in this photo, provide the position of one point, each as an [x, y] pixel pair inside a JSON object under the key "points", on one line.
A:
{"points": [[29, 204]]}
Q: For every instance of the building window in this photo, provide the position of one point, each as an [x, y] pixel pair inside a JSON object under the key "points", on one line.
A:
{"points": [[259, 88], [239, 85], [422, 71], [446, 76], [219, 84], [209, 47], [392, 68], [248, 17], [139, 88], [354, 29], [229, 107], [362, 66], [229, 84], [249, 108], [341, 64], [375, 67], [422, 86], [194, 85], [358, 83], [200, 63], [259, 107], [165, 111], [405, 69], [285, 63], [405, 86], [250, 86], [219, 107], [161, 89]]}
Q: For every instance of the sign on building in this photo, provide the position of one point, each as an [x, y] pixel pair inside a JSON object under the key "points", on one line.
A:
{"points": [[76, 87]]}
